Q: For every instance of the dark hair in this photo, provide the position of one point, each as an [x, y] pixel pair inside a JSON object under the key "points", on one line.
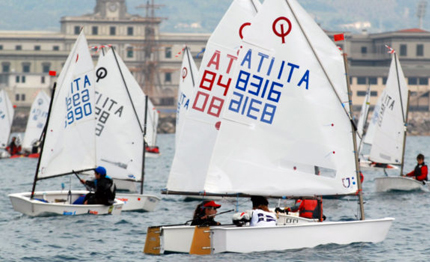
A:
{"points": [[259, 200], [420, 156], [200, 210]]}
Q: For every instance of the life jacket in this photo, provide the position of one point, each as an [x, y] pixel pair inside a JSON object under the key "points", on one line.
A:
{"points": [[418, 172], [310, 208]]}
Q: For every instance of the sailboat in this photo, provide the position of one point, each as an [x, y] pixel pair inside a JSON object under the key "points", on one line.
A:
{"points": [[389, 142], [152, 150], [387, 128], [285, 109], [6, 119], [35, 124], [69, 143], [120, 130]]}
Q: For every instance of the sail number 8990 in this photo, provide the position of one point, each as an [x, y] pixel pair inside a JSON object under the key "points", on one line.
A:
{"points": [[78, 106]]}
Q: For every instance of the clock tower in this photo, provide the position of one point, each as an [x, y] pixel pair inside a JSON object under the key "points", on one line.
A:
{"points": [[111, 9]]}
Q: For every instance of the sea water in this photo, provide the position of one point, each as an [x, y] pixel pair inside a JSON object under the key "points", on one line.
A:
{"points": [[122, 238]]}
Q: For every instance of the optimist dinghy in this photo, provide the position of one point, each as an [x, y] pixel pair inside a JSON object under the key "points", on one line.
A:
{"points": [[122, 111], [69, 144], [280, 108]]}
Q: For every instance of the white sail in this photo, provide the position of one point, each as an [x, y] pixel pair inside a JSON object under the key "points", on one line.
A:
{"points": [[6, 118], [363, 119], [151, 125], [70, 141], [199, 129], [285, 110], [387, 146], [118, 130], [36, 120], [188, 77], [370, 132]]}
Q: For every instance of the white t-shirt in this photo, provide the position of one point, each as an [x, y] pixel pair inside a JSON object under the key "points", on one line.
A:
{"points": [[261, 218]]}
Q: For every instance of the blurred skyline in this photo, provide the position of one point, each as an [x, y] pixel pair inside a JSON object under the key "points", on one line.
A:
{"points": [[202, 16]]}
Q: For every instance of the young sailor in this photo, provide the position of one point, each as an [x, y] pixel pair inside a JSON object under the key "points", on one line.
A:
{"points": [[104, 188], [205, 213], [308, 208], [420, 172], [259, 216]]}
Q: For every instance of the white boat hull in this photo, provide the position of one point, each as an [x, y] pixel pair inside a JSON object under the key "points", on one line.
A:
{"points": [[125, 185], [59, 203], [385, 184], [282, 237], [138, 202]]}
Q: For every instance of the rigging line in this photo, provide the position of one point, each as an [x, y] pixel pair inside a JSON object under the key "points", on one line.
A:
{"points": [[189, 64], [128, 93], [255, 7], [319, 61], [400, 91]]}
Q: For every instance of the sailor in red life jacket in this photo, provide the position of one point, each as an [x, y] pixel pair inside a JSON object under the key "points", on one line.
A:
{"points": [[420, 172], [308, 208], [13, 148]]}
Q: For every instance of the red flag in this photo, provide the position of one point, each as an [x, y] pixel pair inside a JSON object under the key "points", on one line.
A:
{"points": [[339, 37], [52, 73]]}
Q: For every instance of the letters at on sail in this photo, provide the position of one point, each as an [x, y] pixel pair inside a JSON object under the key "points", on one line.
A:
{"points": [[387, 145], [285, 111], [76, 87], [200, 125], [114, 110]]}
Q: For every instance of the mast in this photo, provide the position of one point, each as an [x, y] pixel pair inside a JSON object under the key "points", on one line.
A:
{"points": [[400, 91], [43, 141], [144, 144], [189, 64], [354, 139], [405, 133], [405, 118]]}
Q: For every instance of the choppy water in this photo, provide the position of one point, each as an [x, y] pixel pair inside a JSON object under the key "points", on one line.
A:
{"points": [[122, 238]]}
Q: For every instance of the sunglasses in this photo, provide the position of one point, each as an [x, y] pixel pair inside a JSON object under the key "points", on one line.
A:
{"points": [[210, 208]]}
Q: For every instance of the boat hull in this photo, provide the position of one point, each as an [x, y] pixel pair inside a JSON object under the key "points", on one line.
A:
{"points": [[385, 184], [282, 237], [125, 185], [59, 203], [138, 202]]}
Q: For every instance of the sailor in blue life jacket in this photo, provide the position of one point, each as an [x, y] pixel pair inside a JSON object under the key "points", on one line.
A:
{"points": [[104, 188]]}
